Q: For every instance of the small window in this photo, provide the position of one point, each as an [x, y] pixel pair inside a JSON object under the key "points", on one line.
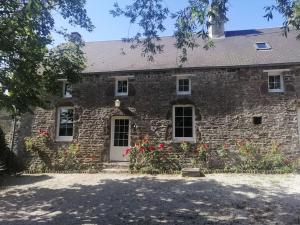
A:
{"points": [[183, 86], [122, 86], [257, 120], [275, 83], [183, 123], [65, 124], [67, 90], [262, 46]]}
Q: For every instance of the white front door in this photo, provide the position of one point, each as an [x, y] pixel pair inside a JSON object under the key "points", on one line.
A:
{"points": [[120, 138]]}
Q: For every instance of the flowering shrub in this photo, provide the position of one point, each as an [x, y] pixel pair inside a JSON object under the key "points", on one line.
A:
{"points": [[38, 142], [253, 159], [148, 157], [201, 155], [68, 158]]}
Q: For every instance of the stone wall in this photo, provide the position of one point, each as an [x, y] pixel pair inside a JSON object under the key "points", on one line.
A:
{"points": [[6, 123], [226, 100]]}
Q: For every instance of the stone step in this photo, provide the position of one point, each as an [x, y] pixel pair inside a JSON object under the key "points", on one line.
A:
{"points": [[116, 165], [192, 172], [115, 170]]}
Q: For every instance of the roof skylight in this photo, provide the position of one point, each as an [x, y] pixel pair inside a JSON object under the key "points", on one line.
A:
{"points": [[262, 46]]}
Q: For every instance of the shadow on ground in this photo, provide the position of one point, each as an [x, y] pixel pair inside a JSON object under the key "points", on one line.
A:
{"points": [[8, 181], [149, 200]]}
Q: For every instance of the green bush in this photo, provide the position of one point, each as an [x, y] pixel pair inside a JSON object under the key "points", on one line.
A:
{"points": [[9, 162], [66, 158]]}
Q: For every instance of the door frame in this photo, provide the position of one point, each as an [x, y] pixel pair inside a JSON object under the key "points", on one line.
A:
{"points": [[112, 136]]}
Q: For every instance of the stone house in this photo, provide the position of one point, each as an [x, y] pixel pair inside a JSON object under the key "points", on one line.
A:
{"points": [[246, 87]]}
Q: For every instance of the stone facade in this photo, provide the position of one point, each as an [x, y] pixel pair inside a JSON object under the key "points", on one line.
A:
{"points": [[225, 101]]}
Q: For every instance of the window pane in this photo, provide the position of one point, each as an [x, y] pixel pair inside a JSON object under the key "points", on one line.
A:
{"points": [[116, 143], [277, 85], [179, 121], [183, 122], [178, 111], [188, 132], [121, 143], [179, 132], [277, 78], [275, 82], [122, 86], [183, 85], [188, 111], [188, 121], [68, 90], [69, 131], [125, 86], [66, 122]]}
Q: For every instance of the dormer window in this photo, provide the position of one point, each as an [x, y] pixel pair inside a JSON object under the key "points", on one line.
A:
{"points": [[262, 46], [67, 90]]}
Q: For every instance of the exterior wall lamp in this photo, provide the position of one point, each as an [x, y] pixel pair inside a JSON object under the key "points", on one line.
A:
{"points": [[117, 103]]}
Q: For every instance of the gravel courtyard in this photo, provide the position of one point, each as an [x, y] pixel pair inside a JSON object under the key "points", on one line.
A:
{"points": [[130, 199]]}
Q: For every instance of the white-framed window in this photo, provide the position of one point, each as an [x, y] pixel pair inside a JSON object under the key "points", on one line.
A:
{"points": [[275, 83], [184, 123], [67, 90], [121, 86], [183, 85], [65, 123]]}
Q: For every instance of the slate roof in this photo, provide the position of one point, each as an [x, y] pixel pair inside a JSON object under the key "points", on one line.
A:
{"points": [[237, 49]]}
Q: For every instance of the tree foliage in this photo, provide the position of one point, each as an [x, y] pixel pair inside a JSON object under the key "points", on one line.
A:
{"points": [[28, 68], [191, 22]]}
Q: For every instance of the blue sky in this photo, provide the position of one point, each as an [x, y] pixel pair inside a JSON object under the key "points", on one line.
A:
{"points": [[243, 14]]}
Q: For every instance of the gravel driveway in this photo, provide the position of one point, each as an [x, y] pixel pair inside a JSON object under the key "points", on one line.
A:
{"points": [[128, 199]]}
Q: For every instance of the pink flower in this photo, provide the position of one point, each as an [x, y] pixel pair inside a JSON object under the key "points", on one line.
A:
{"points": [[206, 146], [161, 146], [126, 152]]}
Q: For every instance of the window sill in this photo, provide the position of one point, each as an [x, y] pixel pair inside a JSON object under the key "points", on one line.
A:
{"points": [[276, 91], [121, 95], [64, 139], [179, 140], [184, 93]]}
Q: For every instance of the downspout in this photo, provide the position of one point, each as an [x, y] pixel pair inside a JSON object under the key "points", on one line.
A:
{"points": [[14, 128]]}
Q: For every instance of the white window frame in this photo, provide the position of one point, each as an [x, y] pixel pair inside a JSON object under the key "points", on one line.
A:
{"points": [[276, 72], [64, 90], [281, 89], [63, 138], [177, 85], [116, 86], [187, 139]]}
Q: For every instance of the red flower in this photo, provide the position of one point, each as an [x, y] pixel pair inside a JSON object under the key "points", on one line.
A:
{"points": [[126, 152], [206, 146], [152, 148], [161, 146], [142, 149]]}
